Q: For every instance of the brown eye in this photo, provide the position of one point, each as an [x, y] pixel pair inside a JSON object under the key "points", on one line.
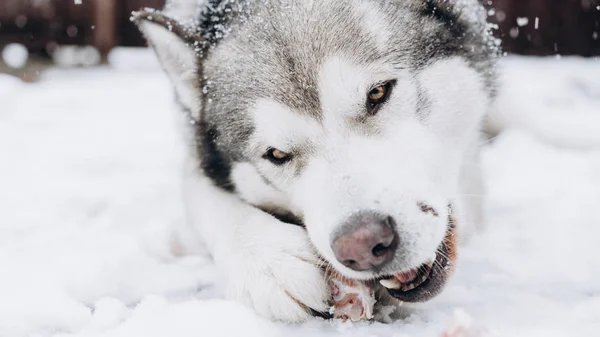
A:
{"points": [[378, 95], [277, 156]]}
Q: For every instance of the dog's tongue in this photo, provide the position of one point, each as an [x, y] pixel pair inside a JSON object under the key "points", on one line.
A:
{"points": [[406, 277]]}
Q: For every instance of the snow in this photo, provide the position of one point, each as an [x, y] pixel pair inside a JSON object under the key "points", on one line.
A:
{"points": [[72, 56], [15, 55], [564, 97], [89, 164], [524, 21]]}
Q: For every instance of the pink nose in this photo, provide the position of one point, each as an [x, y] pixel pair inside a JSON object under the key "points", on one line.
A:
{"points": [[367, 241]]}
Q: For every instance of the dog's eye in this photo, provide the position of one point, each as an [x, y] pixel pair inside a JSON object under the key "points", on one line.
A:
{"points": [[277, 156], [378, 95]]}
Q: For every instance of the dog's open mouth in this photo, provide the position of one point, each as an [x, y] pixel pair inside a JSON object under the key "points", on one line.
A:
{"points": [[409, 280], [426, 281]]}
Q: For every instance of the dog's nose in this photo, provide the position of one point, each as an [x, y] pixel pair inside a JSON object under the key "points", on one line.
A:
{"points": [[366, 241]]}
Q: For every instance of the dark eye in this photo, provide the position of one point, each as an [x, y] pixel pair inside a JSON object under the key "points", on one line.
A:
{"points": [[277, 156], [379, 95]]}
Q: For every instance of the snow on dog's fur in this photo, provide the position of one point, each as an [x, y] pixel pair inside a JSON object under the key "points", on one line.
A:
{"points": [[286, 133]]}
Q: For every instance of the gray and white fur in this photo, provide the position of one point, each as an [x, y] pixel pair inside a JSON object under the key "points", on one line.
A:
{"points": [[291, 75]]}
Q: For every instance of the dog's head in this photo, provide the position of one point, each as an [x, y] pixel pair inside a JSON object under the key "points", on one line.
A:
{"points": [[351, 118]]}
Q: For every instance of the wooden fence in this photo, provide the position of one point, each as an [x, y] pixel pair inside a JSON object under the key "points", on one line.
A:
{"points": [[548, 27], [531, 27], [41, 25]]}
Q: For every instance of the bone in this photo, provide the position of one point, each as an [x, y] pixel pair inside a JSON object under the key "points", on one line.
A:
{"points": [[351, 300]]}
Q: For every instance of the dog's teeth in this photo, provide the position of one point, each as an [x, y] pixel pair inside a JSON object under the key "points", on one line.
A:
{"points": [[391, 283], [409, 286]]}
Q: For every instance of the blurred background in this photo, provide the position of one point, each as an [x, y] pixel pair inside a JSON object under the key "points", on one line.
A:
{"points": [[34, 32]]}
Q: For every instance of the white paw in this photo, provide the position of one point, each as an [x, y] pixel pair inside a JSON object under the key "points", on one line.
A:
{"points": [[277, 274]]}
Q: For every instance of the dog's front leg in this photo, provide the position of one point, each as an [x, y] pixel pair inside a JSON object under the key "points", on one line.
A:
{"points": [[268, 265]]}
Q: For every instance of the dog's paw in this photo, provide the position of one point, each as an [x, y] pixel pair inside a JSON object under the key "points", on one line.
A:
{"points": [[278, 275]]}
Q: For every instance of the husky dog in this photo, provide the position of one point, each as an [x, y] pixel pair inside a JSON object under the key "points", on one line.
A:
{"points": [[329, 132]]}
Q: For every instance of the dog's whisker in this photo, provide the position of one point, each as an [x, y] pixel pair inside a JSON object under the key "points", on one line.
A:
{"points": [[445, 256], [437, 263]]}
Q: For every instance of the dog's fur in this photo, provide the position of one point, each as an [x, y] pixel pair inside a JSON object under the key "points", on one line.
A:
{"points": [[294, 75]]}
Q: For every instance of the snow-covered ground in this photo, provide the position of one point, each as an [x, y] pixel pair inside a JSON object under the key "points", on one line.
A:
{"points": [[89, 163]]}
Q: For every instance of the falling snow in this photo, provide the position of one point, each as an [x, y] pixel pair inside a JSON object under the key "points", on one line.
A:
{"points": [[522, 22]]}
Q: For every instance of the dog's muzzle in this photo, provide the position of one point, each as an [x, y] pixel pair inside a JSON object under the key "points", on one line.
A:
{"points": [[367, 241]]}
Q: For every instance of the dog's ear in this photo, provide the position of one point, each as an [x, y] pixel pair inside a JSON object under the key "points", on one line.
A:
{"points": [[179, 50]]}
